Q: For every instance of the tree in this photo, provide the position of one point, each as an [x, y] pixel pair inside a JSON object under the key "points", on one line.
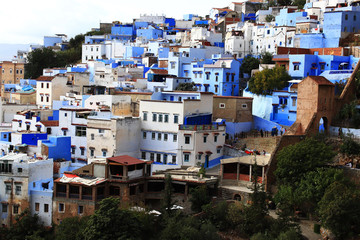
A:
{"points": [[39, 59], [294, 161], [339, 210], [284, 2], [199, 197], [111, 222], [167, 201], [73, 227], [186, 87], [268, 80], [349, 146], [26, 226], [266, 58], [299, 3], [269, 18], [249, 63]]}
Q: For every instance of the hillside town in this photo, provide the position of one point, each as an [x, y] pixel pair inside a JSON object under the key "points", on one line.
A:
{"points": [[203, 102]]}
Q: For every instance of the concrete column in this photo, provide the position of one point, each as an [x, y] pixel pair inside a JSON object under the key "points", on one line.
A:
{"points": [[80, 192], [94, 193], [262, 173], [67, 191], [237, 171], [250, 172]]}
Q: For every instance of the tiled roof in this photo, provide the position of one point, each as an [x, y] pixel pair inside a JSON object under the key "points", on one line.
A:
{"points": [[159, 71], [44, 78], [321, 80], [125, 160], [53, 123]]}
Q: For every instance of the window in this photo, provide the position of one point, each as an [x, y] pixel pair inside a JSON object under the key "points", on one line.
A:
{"points": [[81, 209], [158, 157], [199, 157], [19, 170], [48, 130], [166, 118], [296, 67], [218, 150], [144, 135], [244, 105], [165, 136], [38, 128], [159, 136], [42, 85], [165, 158], [153, 136], [47, 85], [345, 29], [37, 207], [205, 139], [41, 98], [92, 136], [16, 209], [101, 130], [18, 189], [215, 138], [4, 207], [143, 155], [152, 155], [92, 150], [222, 105], [187, 139], [207, 75], [173, 159], [104, 152], [46, 207], [65, 114], [179, 99], [145, 116], [5, 168], [160, 119], [216, 88], [294, 102], [175, 137], [176, 118], [64, 132], [17, 71], [61, 207], [82, 151], [7, 188], [186, 157], [346, 17], [354, 17], [227, 76], [154, 117], [80, 131]]}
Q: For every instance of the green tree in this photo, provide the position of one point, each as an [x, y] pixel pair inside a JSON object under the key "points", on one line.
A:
{"points": [[39, 59], [111, 222], [73, 227], [284, 2], [266, 58], [199, 197], [268, 80], [26, 226], [249, 63], [186, 87], [350, 146], [339, 210], [299, 3], [294, 161], [167, 201], [269, 18]]}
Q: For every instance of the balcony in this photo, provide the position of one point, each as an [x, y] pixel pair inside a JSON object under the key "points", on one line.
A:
{"points": [[200, 127]]}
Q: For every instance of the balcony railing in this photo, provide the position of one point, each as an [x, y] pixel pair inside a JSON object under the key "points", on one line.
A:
{"points": [[198, 127]]}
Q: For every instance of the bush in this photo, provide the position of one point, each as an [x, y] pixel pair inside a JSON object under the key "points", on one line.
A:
{"points": [[350, 147]]}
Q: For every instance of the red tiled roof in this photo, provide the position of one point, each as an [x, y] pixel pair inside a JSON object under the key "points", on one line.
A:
{"points": [[159, 71], [44, 78], [52, 123], [321, 80], [125, 160]]}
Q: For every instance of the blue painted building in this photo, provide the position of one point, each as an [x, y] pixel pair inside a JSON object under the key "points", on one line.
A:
{"points": [[59, 147], [51, 41], [32, 138], [149, 33], [303, 65], [288, 18], [133, 52], [123, 31]]}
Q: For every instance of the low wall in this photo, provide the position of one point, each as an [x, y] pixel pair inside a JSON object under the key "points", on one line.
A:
{"points": [[233, 128], [265, 125], [334, 131]]}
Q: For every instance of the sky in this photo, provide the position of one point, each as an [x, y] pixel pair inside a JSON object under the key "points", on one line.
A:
{"points": [[25, 21]]}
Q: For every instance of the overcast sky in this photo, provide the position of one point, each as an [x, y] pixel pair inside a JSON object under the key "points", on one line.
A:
{"points": [[25, 21]]}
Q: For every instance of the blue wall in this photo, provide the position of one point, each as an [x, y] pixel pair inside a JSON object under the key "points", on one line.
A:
{"points": [[5, 136], [51, 41], [233, 128], [215, 162], [288, 19], [149, 33], [265, 125], [32, 138], [59, 147], [124, 30], [198, 119]]}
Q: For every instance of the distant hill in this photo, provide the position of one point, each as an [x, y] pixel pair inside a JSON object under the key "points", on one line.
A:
{"points": [[8, 51]]}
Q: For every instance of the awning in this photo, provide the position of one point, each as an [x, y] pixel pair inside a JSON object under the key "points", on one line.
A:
{"points": [[208, 152], [200, 152], [64, 129], [82, 147]]}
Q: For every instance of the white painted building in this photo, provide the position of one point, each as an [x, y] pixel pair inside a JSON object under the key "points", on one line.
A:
{"points": [[25, 183], [202, 34], [162, 139]]}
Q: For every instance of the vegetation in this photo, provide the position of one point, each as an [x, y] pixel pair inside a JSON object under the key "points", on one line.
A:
{"points": [[269, 18], [167, 201], [266, 58], [186, 87], [349, 146], [349, 115], [249, 63], [199, 197], [268, 80]]}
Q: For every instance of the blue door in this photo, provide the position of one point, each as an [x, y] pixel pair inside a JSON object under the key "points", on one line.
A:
{"points": [[206, 161], [171, 98]]}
